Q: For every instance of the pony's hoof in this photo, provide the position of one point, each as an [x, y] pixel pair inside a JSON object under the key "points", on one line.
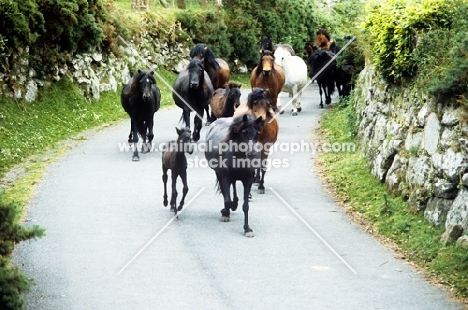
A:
{"points": [[180, 208], [172, 209], [294, 113], [176, 218], [261, 191], [165, 203], [136, 158], [225, 219], [321, 105], [281, 111], [207, 123], [299, 109], [249, 233]]}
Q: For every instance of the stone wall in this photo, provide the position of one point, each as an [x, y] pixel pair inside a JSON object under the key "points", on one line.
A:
{"points": [[417, 147], [92, 72]]}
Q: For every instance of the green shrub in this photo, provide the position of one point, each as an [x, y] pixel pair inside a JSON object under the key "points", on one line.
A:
{"points": [[392, 28], [207, 27], [12, 281]]}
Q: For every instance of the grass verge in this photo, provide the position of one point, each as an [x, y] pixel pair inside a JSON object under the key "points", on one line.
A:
{"points": [[383, 214]]}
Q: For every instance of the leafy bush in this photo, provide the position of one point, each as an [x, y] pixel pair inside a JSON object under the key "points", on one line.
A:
{"points": [[12, 281], [207, 27], [392, 28]]}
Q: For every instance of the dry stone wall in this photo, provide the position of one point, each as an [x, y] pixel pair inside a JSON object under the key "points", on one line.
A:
{"points": [[418, 147]]}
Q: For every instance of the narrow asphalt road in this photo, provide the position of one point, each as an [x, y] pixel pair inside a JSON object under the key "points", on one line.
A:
{"points": [[110, 243]]}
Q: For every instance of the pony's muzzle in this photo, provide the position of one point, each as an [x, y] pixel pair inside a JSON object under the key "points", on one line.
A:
{"points": [[146, 97], [194, 85], [266, 72]]}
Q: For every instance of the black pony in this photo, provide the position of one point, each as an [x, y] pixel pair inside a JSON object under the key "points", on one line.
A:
{"points": [[232, 156], [173, 158], [141, 98], [322, 68], [192, 91], [217, 69]]}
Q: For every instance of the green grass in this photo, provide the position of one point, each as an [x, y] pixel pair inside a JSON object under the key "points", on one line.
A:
{"points": [[390, 215]]}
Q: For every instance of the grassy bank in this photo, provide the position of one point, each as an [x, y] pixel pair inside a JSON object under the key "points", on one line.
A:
{"points": [[386, 216]]}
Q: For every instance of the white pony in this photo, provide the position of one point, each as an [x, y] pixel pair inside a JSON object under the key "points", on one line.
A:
{"points": [[295, 71]]}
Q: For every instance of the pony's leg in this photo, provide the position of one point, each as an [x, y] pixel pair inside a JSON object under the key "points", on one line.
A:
{"points": [[198, 126], [248, 232], [261, 187], [135, 156], [236, 199], [164, 178], [208, 118], [183, 176], [147, 146], [294, 102], [225, 213], [320, 91], [174, 192], [186, 117], [278, 105], [298, 101]]}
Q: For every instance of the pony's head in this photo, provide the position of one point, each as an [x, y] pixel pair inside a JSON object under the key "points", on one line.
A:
{"points": [[196, 73], [233, 93], [184, 139], [142, 83], [323, 39], [266, 44], [259, 101], [267, 62], [244, 132]]}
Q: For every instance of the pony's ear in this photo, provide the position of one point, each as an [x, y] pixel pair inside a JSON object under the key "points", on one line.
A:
{"points": [[152, 72], [139, 71], [260, 121], [178, 131]]}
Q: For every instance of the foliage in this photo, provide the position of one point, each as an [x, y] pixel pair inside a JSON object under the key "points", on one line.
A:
{"points": [[12, 281], [444, 71], [389, 215], [284, 21], [207, 27], [392, 28]]}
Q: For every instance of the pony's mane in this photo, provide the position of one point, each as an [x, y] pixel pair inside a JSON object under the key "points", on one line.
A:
{"points": [[139, 74], [266, 43], [202, 50], [259, 94]]}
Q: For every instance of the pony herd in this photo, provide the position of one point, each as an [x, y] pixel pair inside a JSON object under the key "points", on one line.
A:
{"points": [[205, 84]]}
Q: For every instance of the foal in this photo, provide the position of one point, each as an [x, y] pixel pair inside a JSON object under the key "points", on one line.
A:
{"points": [[173, 158]]}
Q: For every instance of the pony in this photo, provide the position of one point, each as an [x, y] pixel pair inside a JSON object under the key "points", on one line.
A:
{"points": [[266, 44], [225, 101], [323, 40], [217, 68], [259, 105], [233, 163], [192, 91], [295, 70], [141, 98], [322, 68], [268, 75], [343, 79], [173, 158]]}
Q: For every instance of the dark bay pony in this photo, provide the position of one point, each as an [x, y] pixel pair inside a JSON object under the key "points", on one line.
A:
{"points": [[192, 92], [173, 158], [141, 98], [324, 41], [322, 68], [259, 104], [232, 164], [225, 101], [268, 75], [217, 68], [266, 44]]}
